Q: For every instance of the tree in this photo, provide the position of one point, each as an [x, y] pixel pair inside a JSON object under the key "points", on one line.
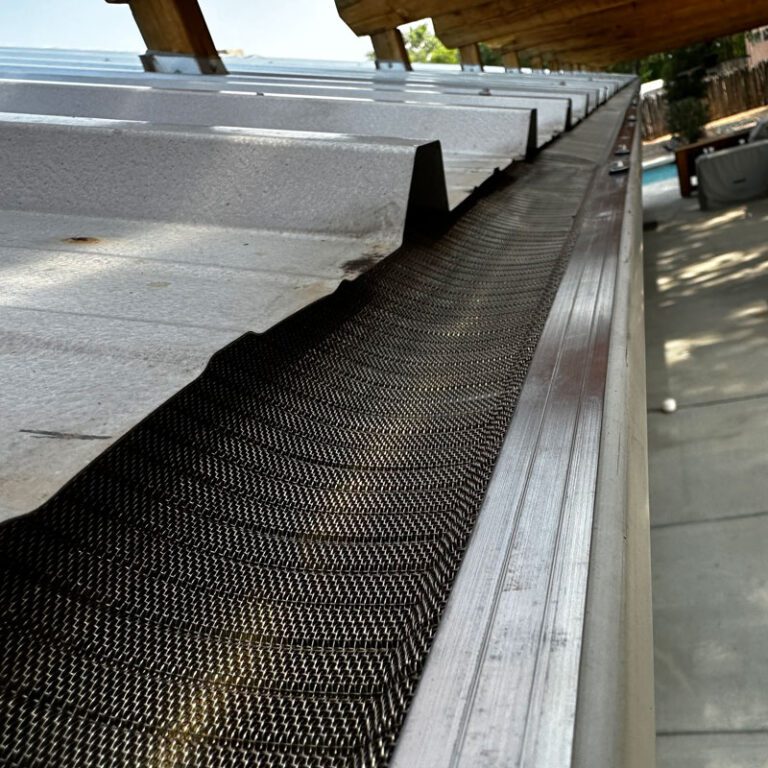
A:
{"points": [[731, 47], [660, 66], [684, 72], [424, 46], [491, 57]]}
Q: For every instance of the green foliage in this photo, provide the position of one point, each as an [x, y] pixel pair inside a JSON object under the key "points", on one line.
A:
{"points": [[731, 47], [424, 46], [491, 57], [666, 65], [652, 67], [684, 71], [687, 117]]}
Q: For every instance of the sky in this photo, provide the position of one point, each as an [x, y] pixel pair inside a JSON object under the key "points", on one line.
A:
{"points": [[307, 29]]}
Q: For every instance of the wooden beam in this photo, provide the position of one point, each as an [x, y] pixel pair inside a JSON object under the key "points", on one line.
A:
{"points": [[365, 17], [596, 31], [626, 45], [527, 23], [607, 34], [507, 16], [510, 59], [470, 57], [176, 27], [389, 46], [645, 31], [173, 26]]}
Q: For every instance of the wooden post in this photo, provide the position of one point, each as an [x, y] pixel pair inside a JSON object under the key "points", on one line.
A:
{"points": [[510, 60], [176, 36], [389, 47], [471, 58], [536, 62]]}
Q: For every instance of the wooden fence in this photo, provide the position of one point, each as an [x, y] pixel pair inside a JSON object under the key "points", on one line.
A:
{"points": [[727, 94]]}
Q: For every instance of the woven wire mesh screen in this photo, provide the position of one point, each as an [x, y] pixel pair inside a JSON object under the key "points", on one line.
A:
{"points": [[254, 574]]}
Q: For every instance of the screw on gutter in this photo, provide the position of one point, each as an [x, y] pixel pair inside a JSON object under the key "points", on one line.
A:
{"points": [[619, 166]]}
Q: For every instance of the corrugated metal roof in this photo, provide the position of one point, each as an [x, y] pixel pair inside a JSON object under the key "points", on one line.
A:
{"points": [[154, 218], [313, 495]]}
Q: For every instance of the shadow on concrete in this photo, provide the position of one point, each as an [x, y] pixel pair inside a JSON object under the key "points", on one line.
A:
{"points": [[706, 283]]}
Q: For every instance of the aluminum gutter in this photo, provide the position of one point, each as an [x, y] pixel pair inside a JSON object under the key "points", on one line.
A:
{"points": [[615, 713], [501, 683]]}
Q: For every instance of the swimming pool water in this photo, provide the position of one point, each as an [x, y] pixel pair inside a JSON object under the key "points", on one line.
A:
{"points": [[659, 173]]}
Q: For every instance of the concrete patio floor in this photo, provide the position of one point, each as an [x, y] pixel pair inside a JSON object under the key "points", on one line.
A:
{"points": [[707, 347]]}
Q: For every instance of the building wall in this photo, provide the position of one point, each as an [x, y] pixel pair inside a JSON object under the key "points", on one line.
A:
{"points": [[757, 45]]}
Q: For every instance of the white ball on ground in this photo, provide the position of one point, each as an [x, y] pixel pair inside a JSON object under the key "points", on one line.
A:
{"points": [[669, 405]]}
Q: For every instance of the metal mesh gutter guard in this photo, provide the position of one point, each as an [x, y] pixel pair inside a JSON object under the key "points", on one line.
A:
{"points": [[253, 575]]}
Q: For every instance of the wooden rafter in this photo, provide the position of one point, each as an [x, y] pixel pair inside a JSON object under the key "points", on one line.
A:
{"points": [[606, 40], [365, 17], [470, 56], [388, 45], [173, 26], [649, 21], [510, 59], [484, 20], [594, 31]]}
